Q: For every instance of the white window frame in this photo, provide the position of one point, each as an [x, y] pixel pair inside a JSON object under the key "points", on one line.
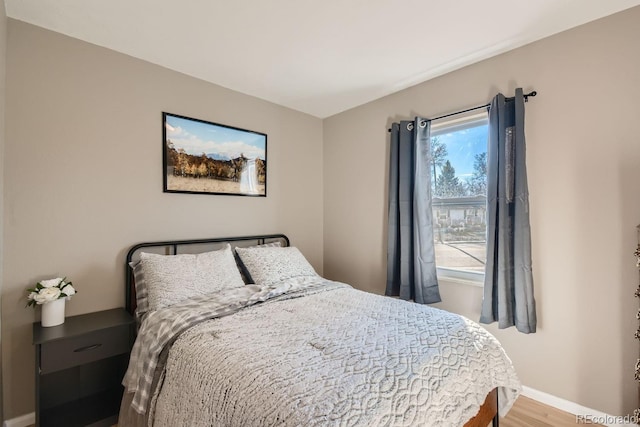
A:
{"points": [[448, 125]]}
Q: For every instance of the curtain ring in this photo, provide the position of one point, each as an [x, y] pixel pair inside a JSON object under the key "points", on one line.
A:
{"points": [[409, 126], [423, 124]]}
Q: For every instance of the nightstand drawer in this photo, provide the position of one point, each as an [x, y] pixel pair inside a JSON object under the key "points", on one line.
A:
{"points": [[66, 353]]}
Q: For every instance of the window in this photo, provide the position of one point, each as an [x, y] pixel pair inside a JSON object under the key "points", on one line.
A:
{"points": [[459, 195]]}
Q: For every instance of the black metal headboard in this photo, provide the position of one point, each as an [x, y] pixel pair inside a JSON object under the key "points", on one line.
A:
{"points": [[171, 248]]}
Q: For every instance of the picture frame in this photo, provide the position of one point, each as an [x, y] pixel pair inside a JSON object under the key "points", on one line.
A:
{"points": [[202, 157]]}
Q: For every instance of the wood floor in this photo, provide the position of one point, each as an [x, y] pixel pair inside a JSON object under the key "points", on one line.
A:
{"points": [[530, 413]]}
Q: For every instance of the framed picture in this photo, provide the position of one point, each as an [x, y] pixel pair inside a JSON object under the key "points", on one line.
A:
{"points": [[209, 158]]}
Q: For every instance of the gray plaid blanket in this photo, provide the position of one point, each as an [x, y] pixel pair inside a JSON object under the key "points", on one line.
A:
{"points": [[162, 327]]}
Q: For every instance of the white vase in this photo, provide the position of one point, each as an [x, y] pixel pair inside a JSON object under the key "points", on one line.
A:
{"points": [[53, 313]]}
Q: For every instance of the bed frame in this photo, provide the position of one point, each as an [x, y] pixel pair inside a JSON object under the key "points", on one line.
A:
{"points": [[488, 412]]}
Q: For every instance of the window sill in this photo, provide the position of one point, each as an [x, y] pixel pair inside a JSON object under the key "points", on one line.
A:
{"points": [[460, 281]]}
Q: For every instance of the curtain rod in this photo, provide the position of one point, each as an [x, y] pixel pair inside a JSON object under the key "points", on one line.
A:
{"points": [[526, 99]]}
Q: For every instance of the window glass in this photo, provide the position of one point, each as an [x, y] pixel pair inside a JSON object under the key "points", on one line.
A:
{"points": [[459, 195]]}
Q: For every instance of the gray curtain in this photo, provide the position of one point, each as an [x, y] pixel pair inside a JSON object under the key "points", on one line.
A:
{"points": [[411, 266], [508, 284]]}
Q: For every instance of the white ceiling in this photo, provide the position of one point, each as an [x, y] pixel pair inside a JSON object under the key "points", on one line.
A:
{"points": [[320, 57]]}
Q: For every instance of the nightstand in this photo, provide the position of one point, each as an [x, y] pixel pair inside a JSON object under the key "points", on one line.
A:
{"points": [[79, 368]]}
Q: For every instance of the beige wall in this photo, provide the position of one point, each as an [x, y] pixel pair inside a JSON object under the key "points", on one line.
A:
{"points": [[584, 170], [83, 177], [3, 67]]}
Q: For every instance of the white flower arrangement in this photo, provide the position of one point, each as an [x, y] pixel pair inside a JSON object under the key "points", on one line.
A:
{"points": [[50, 290]]}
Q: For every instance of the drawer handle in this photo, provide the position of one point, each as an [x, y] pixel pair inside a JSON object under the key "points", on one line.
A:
{"points": [[87, 348]]}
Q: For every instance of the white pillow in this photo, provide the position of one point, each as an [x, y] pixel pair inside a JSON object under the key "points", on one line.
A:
{"points": [[170, 279], [271, 265], [243, 271]]}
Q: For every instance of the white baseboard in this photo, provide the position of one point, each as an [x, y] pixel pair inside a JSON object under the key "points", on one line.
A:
{"points": [[21, 421], [591, 416]]}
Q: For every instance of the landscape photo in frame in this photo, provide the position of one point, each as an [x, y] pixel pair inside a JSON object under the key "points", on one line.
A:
{"points": [[208, 158]]}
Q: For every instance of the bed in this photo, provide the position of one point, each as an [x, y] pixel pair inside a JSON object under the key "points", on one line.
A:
{"points": [[243, 332]]}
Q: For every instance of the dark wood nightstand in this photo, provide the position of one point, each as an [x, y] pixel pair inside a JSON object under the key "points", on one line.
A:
{"points": [[79, 368]]}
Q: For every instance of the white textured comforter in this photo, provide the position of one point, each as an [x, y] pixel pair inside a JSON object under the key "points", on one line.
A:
{"points": [[329, 356]]}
